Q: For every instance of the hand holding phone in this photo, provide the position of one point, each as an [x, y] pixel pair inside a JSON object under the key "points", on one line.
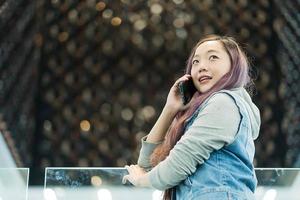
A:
{"points": [[186, 90]]}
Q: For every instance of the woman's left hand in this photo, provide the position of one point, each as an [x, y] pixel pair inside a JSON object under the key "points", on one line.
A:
{"points": [[137, 176]]}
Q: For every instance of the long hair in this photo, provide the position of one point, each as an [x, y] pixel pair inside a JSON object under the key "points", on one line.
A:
{"points": [[238, 76]]}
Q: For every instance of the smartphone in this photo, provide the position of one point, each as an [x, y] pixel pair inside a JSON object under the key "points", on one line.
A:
{"points": [[187, 89]]}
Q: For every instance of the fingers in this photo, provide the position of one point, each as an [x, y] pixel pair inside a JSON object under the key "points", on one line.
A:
{"points": [[130, 170], [186, 77], [126, 167], [125, 178], [135, 172]]}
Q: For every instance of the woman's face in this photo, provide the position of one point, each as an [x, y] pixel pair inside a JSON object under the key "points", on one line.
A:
{"points": [[209, 64]]}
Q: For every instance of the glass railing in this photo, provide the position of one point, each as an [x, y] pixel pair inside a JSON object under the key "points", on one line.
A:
{"points": [[93, 184], [106, 184], [14, 183], [278, 184]]}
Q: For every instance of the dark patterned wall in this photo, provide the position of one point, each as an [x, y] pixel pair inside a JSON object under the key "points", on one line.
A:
{"points": [[287, 28], [18, 77]]}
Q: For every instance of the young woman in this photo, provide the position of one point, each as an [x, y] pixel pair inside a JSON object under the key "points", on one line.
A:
{"points": [[204, 149]]}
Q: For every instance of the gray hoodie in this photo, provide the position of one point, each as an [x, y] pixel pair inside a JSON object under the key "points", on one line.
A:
{"points": [[214, 126]]}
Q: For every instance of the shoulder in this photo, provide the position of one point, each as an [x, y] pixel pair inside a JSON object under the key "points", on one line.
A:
{"points": [[221, 99], [219, 107]]}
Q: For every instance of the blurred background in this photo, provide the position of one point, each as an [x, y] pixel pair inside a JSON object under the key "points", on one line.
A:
{"points": [[81, 82]]}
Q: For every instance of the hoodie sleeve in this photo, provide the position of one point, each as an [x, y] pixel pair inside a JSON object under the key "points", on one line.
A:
{"points": [[215, 126], [145, 153]]}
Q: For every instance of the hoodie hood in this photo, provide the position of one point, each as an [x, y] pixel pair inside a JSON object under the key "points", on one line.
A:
{"points": [[251, 108]]}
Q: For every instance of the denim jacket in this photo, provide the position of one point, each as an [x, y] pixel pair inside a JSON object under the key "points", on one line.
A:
{"points": [[229, 172]]}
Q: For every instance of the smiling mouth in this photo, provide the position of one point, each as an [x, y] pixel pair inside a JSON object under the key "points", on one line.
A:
{"points": [[204, 79]]}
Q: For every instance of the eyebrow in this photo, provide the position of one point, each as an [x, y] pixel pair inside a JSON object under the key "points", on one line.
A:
{"points": [[209, 51]]}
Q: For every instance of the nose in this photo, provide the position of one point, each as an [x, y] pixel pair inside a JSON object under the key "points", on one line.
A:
{"points": [[202, 68]]}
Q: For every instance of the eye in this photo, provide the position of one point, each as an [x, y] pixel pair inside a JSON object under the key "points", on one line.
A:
{"points": [[213, 57], [195, 62]]}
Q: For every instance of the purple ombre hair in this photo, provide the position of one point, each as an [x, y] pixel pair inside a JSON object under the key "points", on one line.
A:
{"points": [[238, 76]]}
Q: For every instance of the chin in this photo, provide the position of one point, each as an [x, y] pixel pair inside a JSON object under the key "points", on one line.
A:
{"points": [[204, 89]]}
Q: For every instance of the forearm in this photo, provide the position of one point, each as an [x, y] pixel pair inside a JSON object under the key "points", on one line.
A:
{"points": [[161, 126]]}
